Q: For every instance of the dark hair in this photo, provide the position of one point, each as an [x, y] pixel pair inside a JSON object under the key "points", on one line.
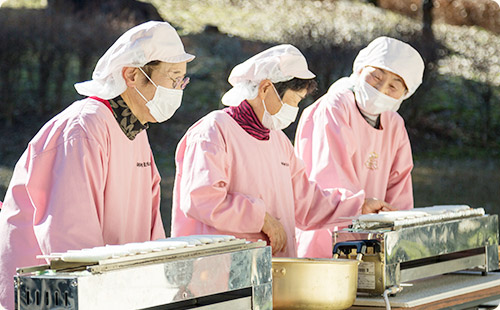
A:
{"points": [[296, 84], [148, 69]]}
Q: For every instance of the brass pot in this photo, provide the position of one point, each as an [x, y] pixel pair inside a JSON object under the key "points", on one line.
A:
{"points": [[307, 283]]}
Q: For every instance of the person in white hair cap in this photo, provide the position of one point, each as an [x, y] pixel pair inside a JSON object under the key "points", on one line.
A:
{"points": [[236, 170], [353, 136], [88, 178]]}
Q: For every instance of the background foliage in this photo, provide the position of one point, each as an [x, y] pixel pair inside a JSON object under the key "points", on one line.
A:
{"points": [[453, 119]]}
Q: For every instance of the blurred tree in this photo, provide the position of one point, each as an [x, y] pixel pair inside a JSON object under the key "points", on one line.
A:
{"points": [[111, 16], [139, 11], [50, 44], [483, 13], [427, 34]]}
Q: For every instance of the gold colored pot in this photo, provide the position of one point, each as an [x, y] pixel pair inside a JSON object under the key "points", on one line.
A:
{"points": [[306, 283]]}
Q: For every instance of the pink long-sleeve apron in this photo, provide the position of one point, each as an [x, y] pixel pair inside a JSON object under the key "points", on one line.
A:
{"points": [[339, 148], [80, 183], [226, 180]]}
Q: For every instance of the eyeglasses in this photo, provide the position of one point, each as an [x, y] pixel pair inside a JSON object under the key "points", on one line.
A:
{"points": [[180, 82]]}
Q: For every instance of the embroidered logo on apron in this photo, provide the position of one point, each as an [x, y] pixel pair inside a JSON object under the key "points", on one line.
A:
{"points": [[372, 162]]}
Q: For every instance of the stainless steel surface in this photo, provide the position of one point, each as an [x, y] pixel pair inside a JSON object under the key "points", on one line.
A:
{"points": [[414, 252], [244, 303], [263, 295], [236, 276], [439, 238], [425, 292], [372, 223], [442, 267]]}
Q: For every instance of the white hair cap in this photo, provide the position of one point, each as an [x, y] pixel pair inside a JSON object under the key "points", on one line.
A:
{"points": [[278, 64], [395, 56], [135, 48]]}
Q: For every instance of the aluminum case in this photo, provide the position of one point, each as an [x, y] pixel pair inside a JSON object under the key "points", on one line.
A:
{"points": [[415, 252], [236, 279]]}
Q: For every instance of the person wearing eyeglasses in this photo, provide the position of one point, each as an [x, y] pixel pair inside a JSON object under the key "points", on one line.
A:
{"points": [[236, 172], [88, 178], [353, 136]]}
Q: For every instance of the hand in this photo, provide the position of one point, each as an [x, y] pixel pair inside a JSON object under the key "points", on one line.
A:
{"points": [[276, 233], [373, 205]]}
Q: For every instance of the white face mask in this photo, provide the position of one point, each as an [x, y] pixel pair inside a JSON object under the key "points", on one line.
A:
{"points": [[164, 103], [282, 119], [373, 102]]}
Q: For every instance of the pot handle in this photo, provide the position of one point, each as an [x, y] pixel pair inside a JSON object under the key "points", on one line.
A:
{"points": [[359, 245]]}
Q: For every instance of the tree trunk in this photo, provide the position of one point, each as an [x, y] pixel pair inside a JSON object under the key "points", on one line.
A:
{"points": [[45, 61], [60, 78], [486, 95], [84, 67], [6, 93], [427, 34]]}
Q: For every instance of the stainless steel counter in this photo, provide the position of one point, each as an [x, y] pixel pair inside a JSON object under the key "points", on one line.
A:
{"points": [[461, 290]]}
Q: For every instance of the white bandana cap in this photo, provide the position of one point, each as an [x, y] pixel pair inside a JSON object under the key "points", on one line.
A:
{"points": [[394, 56], [280, 63], [135, 48]]}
